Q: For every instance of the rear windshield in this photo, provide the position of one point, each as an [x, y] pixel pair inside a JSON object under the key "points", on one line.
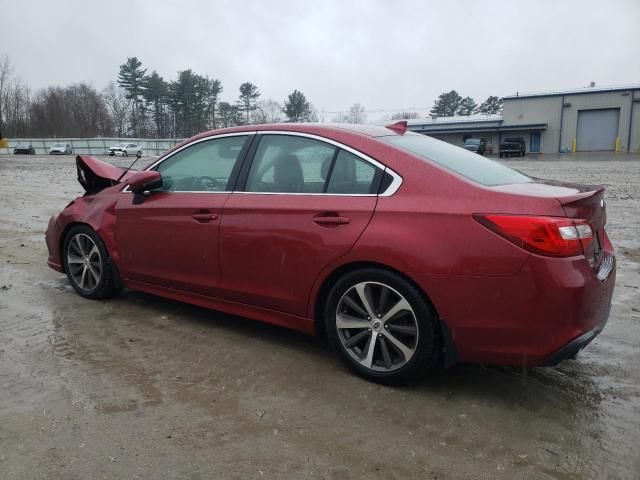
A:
{"points": [[472, 141], [475, 167]]}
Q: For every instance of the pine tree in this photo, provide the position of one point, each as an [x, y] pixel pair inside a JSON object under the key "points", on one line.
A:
{"points": [[446, 105], [491, 105], [249, 95], [131, 78], [296, 107], [467, 106]]}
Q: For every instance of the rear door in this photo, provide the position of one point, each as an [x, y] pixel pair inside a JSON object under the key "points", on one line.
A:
{"points": [[303, 203], [171, 239]]}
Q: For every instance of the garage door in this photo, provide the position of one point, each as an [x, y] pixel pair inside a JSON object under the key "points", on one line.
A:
{"points": [[597, 129]]}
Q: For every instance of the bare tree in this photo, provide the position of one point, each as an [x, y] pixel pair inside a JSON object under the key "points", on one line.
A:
{"points": [[404, 115], [267, 111], [6, 71], [356, 114], [119, 107]]}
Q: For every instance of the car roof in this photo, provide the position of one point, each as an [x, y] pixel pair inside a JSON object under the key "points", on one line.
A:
{"points": [[321, 129]]}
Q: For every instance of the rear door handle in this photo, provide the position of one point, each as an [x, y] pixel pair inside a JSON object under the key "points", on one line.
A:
{"points": [[204, 217], [333, 220]]}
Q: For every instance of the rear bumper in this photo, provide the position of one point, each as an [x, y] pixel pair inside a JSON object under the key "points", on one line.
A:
{"points": [[546, 313], [575, 346]]}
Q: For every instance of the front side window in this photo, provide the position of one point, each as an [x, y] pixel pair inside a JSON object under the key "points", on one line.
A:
{"points": [[203, 166]]}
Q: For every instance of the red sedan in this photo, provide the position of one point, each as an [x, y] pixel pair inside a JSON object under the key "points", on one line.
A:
{"points": [[406, 252]]}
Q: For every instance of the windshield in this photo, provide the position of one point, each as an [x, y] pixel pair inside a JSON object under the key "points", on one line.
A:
{"points": [[472, 141], [456, 159]]}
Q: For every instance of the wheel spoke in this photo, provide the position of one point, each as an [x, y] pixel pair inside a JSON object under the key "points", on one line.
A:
{"points": [[384, 296], [83, 277], [93, 252], [354, 305], [386, 356], [347, 321], [356, 338], [364, 298], [79, 245], [405, 329], [400, 305], [406, 351], [367, 361], [72, 259], [94, 274]]}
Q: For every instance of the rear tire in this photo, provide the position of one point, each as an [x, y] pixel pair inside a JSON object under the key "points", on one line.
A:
{"points": [[382, 327], [87, 264]]}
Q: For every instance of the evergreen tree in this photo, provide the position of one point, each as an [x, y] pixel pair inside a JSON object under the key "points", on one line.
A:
{"points": [[446, 105], [155, 93], [296, 107], [467, 106], [249, 95], [491, 105], [214, 89], [131, 78], [188, 96]]}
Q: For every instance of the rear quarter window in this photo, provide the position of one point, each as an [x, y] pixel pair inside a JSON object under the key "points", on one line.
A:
{"points": [[470, 165]]}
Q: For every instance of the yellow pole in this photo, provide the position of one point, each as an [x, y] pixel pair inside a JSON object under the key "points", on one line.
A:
{"points": [[573, 145], [617, 144]]}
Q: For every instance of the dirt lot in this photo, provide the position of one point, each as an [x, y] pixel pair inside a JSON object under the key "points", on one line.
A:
{"points": [[140, 387]]}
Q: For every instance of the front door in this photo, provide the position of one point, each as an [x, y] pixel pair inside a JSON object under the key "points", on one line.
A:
{"points": [[305, 203], [171, 239]]}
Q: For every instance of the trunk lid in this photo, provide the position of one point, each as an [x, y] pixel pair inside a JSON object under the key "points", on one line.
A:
{"points": [[95, 175]]}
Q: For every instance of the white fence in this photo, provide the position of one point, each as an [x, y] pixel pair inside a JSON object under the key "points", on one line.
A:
{"points": [[92, 146]]}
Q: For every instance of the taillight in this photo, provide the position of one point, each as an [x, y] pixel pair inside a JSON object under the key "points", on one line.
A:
{"points": [[551, 236]]}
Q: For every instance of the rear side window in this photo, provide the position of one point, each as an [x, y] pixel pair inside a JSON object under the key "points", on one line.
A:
{"points": [[203, 166], [352, 175], [470, 165], [290, 164], [293, 164]]}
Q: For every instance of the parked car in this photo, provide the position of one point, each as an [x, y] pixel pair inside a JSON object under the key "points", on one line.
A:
{"points": [[126, 149], [512, 146], [24, 148], [406, 252], [61, 149], [477, 145]]}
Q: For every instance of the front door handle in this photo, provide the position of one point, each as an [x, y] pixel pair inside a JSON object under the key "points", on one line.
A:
{"points": [[204, 217], [331, 220]]}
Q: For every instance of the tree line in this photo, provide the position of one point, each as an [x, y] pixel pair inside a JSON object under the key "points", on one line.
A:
{"points": [[140, 103]]}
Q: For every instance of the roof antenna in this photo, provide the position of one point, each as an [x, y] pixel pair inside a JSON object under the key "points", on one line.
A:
{"points": [[398, 127]]}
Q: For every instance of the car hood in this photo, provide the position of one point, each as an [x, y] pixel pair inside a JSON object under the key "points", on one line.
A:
{"points": [[95, 175], [116, 147]]}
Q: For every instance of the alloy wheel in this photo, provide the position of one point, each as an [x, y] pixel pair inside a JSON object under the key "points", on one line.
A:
{"points": [[84, 262], [377, 326]]}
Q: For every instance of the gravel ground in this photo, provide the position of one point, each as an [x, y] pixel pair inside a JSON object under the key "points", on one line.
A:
{"points": [[141, 387]]}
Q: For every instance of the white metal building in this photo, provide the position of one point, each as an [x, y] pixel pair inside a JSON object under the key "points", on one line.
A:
{"points": [[589, 119]]}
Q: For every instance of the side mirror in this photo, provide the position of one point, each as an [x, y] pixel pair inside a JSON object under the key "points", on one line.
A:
{"points": [[143, 181]]}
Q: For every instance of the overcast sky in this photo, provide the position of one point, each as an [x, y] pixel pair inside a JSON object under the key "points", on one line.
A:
{"points": [[388, 54]]}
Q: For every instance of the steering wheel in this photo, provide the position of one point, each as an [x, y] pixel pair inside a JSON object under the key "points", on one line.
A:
{"points": [[208, 184]]}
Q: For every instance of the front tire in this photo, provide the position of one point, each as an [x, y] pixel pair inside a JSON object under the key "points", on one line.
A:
{"points": [[382, 327], [87, 264], [124, 153]]}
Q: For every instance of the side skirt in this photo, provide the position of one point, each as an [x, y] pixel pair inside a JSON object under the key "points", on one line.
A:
{"points": [[274, 317]]}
